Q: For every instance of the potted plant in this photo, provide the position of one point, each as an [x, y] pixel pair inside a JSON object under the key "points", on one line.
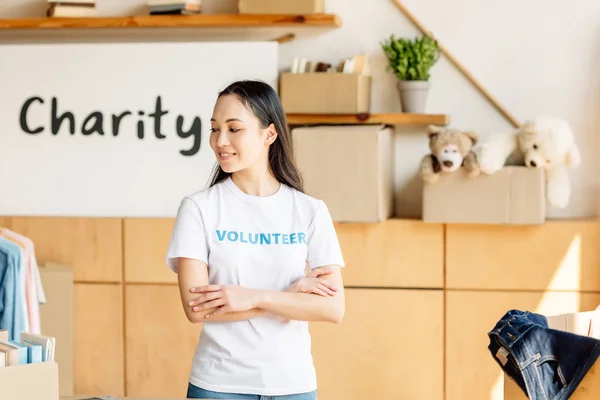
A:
{"points": [[411, 61]]}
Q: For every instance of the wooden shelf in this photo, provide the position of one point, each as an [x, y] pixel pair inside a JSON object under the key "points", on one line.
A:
{"points": [[388, 119], [174, 21]]}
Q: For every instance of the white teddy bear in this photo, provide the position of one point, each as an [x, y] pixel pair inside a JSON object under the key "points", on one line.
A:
{"points": [[546, 142]]}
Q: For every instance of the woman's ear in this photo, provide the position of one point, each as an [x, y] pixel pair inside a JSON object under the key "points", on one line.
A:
{"points": [[271, 134]]}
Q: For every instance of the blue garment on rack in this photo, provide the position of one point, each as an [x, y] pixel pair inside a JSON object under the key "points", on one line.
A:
{"points": [[546, 363], [12, 290]]}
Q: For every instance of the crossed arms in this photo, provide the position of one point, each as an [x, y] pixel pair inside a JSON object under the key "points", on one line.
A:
{"points": [[316, 297]]}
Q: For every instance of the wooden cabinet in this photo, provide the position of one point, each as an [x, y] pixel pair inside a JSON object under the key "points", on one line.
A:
{"points": [[91, 246], [146, 243], [420, 299], [98, 356], [389, 346], [471, 372], [559, 255], [376, 255], [160, 342], [394, 253]]}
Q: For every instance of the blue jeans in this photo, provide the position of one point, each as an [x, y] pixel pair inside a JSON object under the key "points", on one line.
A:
{"points": [[195, 392], [545, 363]]}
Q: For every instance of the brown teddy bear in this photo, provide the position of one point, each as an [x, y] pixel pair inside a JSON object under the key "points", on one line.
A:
{"points": [[450, 150]]}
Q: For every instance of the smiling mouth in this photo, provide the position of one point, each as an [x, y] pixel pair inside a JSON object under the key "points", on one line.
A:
{"points": [[225, 156]]}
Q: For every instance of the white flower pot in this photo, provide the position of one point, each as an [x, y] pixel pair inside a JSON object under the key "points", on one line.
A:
{"points": [[413, 96]]}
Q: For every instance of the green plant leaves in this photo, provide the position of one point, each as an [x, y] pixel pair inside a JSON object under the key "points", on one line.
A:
{"points": [[411, 60]]}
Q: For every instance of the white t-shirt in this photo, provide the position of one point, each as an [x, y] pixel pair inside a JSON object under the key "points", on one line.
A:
{"points": [[262, 243]]}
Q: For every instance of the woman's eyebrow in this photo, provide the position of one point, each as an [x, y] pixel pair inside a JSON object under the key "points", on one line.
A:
{"points": [[229, 120]]}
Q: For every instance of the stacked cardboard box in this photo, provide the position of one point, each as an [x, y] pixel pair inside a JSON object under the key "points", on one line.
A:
{"points": [[317, 87], [350, 168]]}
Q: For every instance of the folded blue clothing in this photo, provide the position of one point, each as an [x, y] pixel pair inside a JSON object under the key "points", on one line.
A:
{"points": [[547, 364]]}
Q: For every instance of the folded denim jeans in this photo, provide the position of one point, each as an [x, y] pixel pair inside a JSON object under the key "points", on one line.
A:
{"points": [[547, 364]]}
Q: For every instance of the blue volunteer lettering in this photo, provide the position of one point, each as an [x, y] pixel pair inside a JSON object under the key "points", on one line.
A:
{"points": [[261, 238]]}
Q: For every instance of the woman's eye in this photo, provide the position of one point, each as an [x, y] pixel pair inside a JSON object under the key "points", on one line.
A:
{"points": [[233, 129], [214, 129], [535, 146]]}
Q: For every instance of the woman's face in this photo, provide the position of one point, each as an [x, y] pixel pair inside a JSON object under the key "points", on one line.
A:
{"points": [[236, 136]]}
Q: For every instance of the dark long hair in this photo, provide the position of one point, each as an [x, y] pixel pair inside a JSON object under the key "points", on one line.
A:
{"points": [[263, 101]]}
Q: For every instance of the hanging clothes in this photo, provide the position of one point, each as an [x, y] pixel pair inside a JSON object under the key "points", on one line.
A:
{"points": [[13, 306], [34, 292]]}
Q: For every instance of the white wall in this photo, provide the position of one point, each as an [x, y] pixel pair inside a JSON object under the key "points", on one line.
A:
{"points": [[536, 57]]}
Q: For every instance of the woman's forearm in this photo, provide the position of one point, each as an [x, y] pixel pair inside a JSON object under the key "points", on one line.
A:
{"points": [[233, 316], [302, 306]]}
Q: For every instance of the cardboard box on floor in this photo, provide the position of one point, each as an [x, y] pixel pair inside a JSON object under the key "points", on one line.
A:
{"points": [[56, 317], [585, 324], [513, 195], [350, 168], [284, 7], [325, 93]]}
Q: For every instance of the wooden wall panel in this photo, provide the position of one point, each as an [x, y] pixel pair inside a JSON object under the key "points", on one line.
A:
{"points": [[389, 346], [146, 243], [160, 342], [92, 246], [560, 255], [5, 222], [98, 353], [471, 372], [394, 253]]}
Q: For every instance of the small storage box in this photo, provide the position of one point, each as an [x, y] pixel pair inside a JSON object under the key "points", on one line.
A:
{"points": [[325, 93], [37, 381], [350, 168], [284, 7], [514, 195]]}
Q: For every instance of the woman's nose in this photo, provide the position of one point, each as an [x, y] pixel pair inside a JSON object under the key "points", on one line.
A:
{"points": [[222, 139]]}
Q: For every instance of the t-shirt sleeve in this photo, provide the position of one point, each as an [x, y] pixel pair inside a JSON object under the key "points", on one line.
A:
{"points": [[323, 245], [188, 238]]}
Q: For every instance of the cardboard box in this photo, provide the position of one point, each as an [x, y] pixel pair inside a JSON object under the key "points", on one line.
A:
{"points": [[220, 7], [325, 93], [513, 195], [56, 317], [350, 168], [37, 381], [284, 7], [583, 323]]}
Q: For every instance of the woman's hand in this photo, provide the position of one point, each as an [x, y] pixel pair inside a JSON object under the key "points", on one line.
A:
{"points": [[314, 284], [225, 298]]}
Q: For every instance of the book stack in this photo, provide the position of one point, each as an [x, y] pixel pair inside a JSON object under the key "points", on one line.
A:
{"points": [[354, 65], [162, 7], [71, 8], [30, 349]]}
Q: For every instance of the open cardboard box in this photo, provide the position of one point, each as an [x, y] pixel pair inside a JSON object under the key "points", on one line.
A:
{"points": [[515, 195], [585, 324], [57, 319], [37, 381], [282, 7], [325, 93]]}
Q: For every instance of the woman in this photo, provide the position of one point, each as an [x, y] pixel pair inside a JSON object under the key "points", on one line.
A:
{"points": [[241, 248]]}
